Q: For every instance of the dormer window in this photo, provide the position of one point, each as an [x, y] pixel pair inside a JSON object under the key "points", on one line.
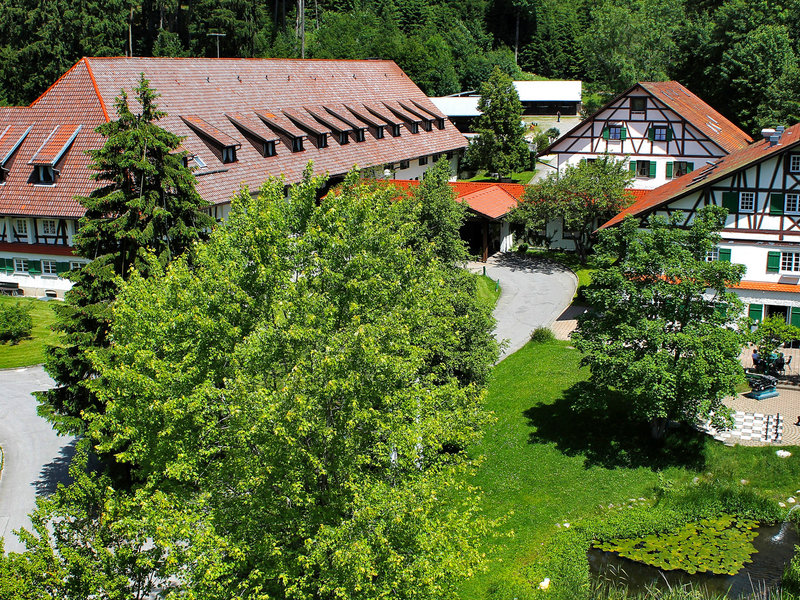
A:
{"points": [[414, 127], [49, 227], [3, 175], [44, 175], [297, 144], [440, 123], [359, 135], [395, 130], [269, 148], [229, 154], [379, 133], [344, 138], [21, 227], [322, 140]]}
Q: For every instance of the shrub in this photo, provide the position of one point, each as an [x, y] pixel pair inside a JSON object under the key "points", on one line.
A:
{"points": [[542, 335], [791, 574], [16, 322]]}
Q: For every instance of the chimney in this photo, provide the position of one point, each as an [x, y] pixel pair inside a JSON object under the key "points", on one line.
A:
{"points": [[767, 133], [774, 139]]}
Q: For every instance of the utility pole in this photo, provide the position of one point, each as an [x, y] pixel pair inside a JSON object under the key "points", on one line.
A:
{"points": [[217, 35]]}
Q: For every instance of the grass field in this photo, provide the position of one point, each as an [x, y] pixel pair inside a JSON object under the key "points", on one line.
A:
{"points": [[488, 290], [30, 351], [546, 463], [522, 177]]}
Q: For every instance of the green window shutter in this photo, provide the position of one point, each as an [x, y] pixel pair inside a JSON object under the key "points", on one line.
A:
{"points": [[776, 204], [721, 309], [725, 254], [8, 265], [669, 170], [652, 169], [795, 318], [605, 133], [730, 200], [623, 133], [34, 267], [755, 312], [62, 267], [689, 167], [632, 166], [651, 133], [583, 161], [773, 261], [670, 134]]}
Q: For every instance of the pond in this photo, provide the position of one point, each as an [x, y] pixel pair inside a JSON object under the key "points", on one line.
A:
{"points": [[774, 545]]}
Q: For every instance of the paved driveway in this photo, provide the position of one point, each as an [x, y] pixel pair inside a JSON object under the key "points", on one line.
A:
{"points": [[534, 293], [36, 459]]}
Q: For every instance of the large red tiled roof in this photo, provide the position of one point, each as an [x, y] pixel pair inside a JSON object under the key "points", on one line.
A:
{"points": [[204, 91], [493, 200], [762, 286], [708, 174], [719, 129]]}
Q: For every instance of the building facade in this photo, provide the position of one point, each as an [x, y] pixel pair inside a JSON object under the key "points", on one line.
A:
{"points": [[760, 188], [661, 128], [241, 120]]}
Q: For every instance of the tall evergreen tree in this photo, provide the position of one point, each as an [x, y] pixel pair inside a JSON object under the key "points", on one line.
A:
{"points": [[501, 144], [147, 203]]}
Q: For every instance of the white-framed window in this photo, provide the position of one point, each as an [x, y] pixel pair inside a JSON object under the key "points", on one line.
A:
{"points": [[21, 265], [74, 265], [681, 168], [21, 226], [615, 132], [794, 163], [49, 267], [643, 168], [44, 175], [659, 134], [712, 255], [747, 201], [229, 154], [792, 203], [790, 261], [49, 226]]}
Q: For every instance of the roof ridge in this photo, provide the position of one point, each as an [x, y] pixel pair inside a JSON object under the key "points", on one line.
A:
{"points": [[96, 89]]}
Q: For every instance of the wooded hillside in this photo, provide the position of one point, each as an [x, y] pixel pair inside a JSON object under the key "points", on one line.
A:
{"points": [[742, 56]]}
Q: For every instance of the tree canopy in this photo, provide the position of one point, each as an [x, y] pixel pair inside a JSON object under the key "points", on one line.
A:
{"points": [[582, 197], [662, 328], [295, 403], [500, 146], [146, 203]]}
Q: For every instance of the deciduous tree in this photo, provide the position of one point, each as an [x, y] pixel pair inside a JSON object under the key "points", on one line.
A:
{"points": [[581, 198], [305, 384], [662, 328]]}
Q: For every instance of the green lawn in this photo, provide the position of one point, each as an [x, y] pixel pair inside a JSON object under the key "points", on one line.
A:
{"points": [[522, 177], [30, 351], [488, 290], [547, 464]]}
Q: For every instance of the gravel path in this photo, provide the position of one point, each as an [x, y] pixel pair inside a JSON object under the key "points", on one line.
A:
{"points": [[533, 294], [36, 458]]}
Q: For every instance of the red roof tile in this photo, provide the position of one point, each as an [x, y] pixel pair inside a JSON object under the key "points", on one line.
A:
{"points": [[763, 286], [708, 174], [53, 148], [493, 200], [12, 136], [719, 129], [208, 92]]}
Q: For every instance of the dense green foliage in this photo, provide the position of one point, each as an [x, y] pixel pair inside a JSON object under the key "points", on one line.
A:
{"points": [[16, 322], [742, 56], [146, 203], [500, 146], [651, 333], [773, 332], [581, 197], [294, 399]]}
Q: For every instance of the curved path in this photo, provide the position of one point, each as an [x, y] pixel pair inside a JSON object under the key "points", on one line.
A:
{"points": [[36, 458], [534, 292]]}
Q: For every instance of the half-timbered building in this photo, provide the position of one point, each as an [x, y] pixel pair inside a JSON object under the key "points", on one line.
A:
{"points": [[760, 187], [661, 128], [241, 121]]}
